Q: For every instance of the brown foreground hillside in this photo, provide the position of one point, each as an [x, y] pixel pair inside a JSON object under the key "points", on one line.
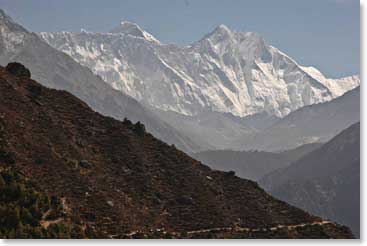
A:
{"points": [[113, 180]]}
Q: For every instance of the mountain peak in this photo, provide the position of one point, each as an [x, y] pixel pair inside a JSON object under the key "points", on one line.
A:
{"points": [[3, 14], [222, 30], [4, 18], [127, 27], [220, 33], [9, 22], [11, 34]]}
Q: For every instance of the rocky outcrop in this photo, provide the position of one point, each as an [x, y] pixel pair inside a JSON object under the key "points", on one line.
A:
{"points": [[18, 69]]}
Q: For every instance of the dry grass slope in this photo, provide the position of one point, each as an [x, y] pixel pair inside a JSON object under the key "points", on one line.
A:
{"points": [[114, 178]]}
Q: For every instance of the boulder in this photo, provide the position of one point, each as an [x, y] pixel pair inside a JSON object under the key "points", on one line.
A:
{"points": [[18, 69]]}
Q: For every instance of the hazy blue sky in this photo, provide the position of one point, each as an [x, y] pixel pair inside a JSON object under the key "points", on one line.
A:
{"points": [[321, 33]]}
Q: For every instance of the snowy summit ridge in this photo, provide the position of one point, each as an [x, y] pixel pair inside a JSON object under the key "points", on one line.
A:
{"points": [[133, 29], [225, 71]]}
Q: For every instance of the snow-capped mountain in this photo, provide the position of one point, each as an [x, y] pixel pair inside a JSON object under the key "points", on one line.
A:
{"points": [[205, 130], [226, 71]]}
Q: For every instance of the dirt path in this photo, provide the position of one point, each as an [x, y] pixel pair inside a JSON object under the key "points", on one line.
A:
{"points": [[241, 229], [247, 229], [46, 223]]}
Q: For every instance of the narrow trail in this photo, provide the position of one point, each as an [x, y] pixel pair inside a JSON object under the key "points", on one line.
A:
{"points": [[240, 229], [247, 229], [46, 223]]}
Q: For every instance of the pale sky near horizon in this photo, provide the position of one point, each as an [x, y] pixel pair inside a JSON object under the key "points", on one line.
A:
{"points": [[320, 33]]}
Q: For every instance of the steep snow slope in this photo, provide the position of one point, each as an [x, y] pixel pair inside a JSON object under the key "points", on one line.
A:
{"points": [[226, 71], [55, 69]]}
